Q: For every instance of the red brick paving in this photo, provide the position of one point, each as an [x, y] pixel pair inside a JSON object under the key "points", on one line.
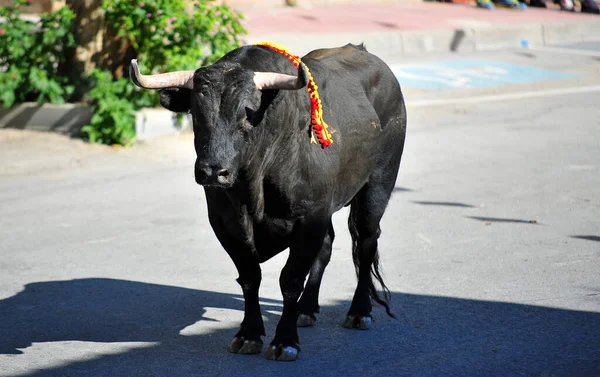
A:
{"points": [[409, 15]]}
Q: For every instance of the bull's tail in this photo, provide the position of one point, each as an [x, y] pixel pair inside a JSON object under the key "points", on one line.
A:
{"points": [[376, 273], [366, 263]]}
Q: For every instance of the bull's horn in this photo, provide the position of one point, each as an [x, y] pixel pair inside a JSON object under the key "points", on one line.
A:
{"points": [[177, 79], [280, 81]]}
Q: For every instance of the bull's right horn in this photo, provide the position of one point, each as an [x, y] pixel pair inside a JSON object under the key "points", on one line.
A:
{"points": [[177, 79], [280, 81]]}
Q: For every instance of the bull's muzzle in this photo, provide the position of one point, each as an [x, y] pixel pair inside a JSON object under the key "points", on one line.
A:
{"points": [[207, 175]]}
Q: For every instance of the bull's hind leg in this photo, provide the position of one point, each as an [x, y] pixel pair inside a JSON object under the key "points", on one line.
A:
{"points": [[366, 211], [309, 302]]}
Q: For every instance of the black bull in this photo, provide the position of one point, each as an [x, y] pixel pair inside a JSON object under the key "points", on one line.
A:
{"points": [[268, 188]]}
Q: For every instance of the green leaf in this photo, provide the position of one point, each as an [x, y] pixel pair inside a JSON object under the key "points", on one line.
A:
{"points": [[8, 98]]}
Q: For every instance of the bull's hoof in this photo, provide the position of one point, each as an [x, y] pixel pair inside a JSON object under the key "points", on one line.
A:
{"points": [[244, 346], [356, 322], [281, 353], [304, 320]]}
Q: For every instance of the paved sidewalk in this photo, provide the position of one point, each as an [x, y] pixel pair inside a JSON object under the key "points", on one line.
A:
{"points": [[414, 26]]}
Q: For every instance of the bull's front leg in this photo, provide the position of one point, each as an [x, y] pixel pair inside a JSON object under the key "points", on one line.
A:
{"points": [[309, 240], [248, 338]]}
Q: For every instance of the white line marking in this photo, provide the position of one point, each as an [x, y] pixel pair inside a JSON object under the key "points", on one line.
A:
{"points": [[503, 97], [560, 50], [422, 237]]}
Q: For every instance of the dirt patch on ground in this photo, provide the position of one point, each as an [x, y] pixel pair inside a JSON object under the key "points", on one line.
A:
{"points": [[25, 152]]}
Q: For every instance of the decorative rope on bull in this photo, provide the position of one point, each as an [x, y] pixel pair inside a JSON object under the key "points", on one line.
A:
{"points": [[319, 125]]}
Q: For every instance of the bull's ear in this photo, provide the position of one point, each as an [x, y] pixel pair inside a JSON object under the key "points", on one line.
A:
{"points": [[255, 117], [175, 99]]}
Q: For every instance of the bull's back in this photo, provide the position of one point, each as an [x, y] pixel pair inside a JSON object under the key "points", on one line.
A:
{"points": [[351, 71]]}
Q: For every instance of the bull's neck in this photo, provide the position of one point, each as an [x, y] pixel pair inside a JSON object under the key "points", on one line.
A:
{"points": [[320, 127], [259, 59], [275, 146]]}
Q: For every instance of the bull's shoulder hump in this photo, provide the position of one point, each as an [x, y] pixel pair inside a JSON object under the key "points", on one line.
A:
{"points": [[337, 52]]}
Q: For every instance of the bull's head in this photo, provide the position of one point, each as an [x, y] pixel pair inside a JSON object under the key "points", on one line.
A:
{"points": [[223, 102]]}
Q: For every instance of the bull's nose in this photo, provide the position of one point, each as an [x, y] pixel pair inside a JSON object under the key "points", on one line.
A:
{"points": [[202, 174], [209, 175], [223, 176]]}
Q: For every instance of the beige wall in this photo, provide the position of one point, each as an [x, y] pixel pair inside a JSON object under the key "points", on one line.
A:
{"points": [[38, 6]]}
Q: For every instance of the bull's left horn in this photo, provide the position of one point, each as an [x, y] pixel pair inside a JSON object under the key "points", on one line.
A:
{"points": [[280, 81], [177, 79]]}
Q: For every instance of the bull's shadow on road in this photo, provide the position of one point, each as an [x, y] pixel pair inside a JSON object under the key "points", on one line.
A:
{"points": [[433, 336]]}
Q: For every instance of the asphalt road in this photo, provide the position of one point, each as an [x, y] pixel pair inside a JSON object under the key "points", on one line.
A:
{"points": [[491, 246]]}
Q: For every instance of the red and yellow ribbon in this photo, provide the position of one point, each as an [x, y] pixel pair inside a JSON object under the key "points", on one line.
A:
{"points": [[319, 125]]}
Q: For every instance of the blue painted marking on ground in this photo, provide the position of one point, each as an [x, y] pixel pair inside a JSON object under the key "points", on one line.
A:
{"points": [[470, 73]]}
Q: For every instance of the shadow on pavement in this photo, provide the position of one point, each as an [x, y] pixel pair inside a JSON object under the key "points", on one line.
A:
{"points": [[502, 220], [443, 204], [588, 238], [433, 336]]}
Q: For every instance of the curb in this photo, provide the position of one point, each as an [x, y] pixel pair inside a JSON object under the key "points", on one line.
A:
{"points": [[68, 119], [65, 119], [462, 38], [151, 123]]}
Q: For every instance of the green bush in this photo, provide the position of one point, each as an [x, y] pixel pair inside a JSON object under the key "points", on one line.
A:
{"points": [[113, 119], [32, 54], [165, 36]]}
